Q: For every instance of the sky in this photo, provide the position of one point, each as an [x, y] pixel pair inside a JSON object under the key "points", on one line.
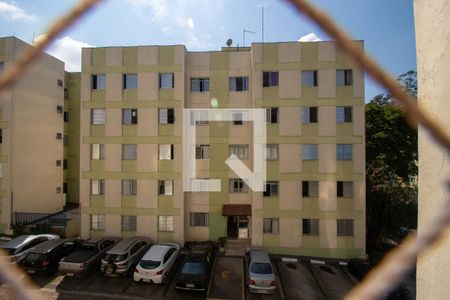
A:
{"points": [[386, 26]]}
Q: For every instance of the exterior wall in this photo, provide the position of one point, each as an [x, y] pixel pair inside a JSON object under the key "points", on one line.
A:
{"points": [[433, 71]]}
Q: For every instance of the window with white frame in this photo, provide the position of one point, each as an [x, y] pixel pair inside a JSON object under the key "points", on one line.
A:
{"points": [[271, 152], [344, 227], [238, 84], [237, 117], [344, 151], [270, 78], [309, 78], [165, 223], [310, 189], [98, 116], [241, 151], [166, 80], [97, 151], [98, 81], [165, 187], [272, 115], [199, 84], [200, 185], [129, 187], [343, 114], [166, 152], [166, 116], [129, 116], [202, 152], [309, 114], [98, 222], [199, 117], [199, 219], [344, 189], [129, 223], [344, 77], [309, 152], [271, 225], [271, 189], [237, 185], [97, 187], [130, 81], [129, 152], [310, 226]]}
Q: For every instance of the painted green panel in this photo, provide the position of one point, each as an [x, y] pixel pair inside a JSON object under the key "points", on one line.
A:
{"points": [[166, 94], [219, 61], [166, 165], [129, 201], [97, 201], [165, 202], [130, 56], [96, 233], [309, 214], [272, 166], [346, 242], [344, 129], [271, 203], [307, 102], [271, 240], [134, 69], [129, 95], [130, 211], [98, 56], [129, 130], [309, 52], [134, 104], [97, 130], [166, 55], [97, 165], [132, 175], [310, 204], [310, 241], [310, 92], [128, 234], [3, 227], [345, 204], [165, 237], [166, 130], [3, 124], [271, 92], [344, 167], [270, 53], [219, 88], [4, 193], [310, 166], [272, 130], [131, 140], [98, 95], [129, 165], [3, 158], [217, 225], [310, 129], [343, 92], [318, 252]]}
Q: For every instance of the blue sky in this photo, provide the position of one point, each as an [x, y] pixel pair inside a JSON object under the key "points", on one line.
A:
{"points": [[386, 26]]}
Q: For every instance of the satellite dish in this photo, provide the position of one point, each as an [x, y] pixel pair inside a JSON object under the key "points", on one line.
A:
{"points": [[229, 42]]}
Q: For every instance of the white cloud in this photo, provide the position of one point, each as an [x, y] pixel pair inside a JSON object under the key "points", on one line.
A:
{"points": [[158, 7], [13, 12], [310, 37], [190, 23], [68, 50]]}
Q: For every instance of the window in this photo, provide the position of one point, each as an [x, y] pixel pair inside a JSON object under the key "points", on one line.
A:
{"points": [[97, 187], [166, 116], [344, 227], [344, 151], [165, 187], [58, 190], [65, 187], [199, 84], [97, 151], [129, 152], [166, 81], [272, 115], [129, 223], [1, 136], [238, 84], [2, 66], [165, 223], [166, 151], [310, 226], [200, 185], [66, 93], [237, 118], [129, 116], [271, 189], [58, 163], [60, 82], [310, 189], [59, 109], [199, 219], [309, 152], [344, 189], [129, 187], [129, 81], [270, 225], [237, 185], [271, 152], [309, 114], [344, 77], [309, 78], [98, 222], [343, 114], [241, 151], [98, 81], [59, 136], [66, 140], [65, 163], [202, 152], [199, 117], [98, 116], [66, 117], [270, 78]]}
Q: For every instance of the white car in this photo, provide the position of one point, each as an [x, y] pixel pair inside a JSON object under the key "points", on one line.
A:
{"points": [[155, 265]]}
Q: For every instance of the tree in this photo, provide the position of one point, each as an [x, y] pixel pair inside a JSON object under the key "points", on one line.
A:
{"points": [[391, 163]]}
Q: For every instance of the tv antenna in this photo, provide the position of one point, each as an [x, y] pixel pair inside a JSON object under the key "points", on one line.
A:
{"points": [[244, 32]]}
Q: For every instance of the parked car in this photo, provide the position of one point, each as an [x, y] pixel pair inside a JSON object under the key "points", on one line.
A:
{"points": [[123, 257], [195, 272], [46, 256], [19, 247], [87, 256], [261, 276], [156, 263]]}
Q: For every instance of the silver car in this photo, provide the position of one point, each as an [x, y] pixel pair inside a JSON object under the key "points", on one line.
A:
{"points": [[19, 247], [261, 276]]}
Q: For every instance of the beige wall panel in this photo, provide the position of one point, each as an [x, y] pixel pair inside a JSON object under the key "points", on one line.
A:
{"points": [[147, 55], [114, 56], [178, 194], [179, 55], [178, 158], [326, 51], [290, 123], [113, 225], [147, 122], [257, 53], [85, 157], [113, 193], [239, 198], [327, 83], [240, 60], [147, 194], [113, 157], [240, 73], [327, 120], [145, 156], [178, 234], [114, 87], [290, 235], [85, 192], [257, 201], [154, 158], [85, 226], [178, 126], [289, 52], [358, 120], [241, 134], [198, 98], [358, 83], [327, 232], [147, 226], [290, 158], [179, 86], [327, 158], [202, 165], [113, 125], [201, 132], [256, 81], [327, 195], [290, 84], [198, 61], [360, 234], [86, 57], [197, 201], [239, 99], [359, 195], [147, 86], [257, 231], [358, 158], [290, 195], [196, 233]]}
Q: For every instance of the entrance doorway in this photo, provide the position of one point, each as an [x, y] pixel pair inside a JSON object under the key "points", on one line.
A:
{"points": [[237, 227]]}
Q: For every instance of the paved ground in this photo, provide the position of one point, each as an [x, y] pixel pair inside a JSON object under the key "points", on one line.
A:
{"points": [[334, 282], [227, 278]]}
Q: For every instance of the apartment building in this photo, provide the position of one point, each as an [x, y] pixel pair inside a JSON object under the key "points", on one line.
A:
{"points": [[131, 146]]}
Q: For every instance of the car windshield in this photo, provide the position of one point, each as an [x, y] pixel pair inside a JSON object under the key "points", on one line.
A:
{"points": [[149, 264], [9, 251], [88, 247], [33, 256], [115, 257], [193, 268], [261, 268]]}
